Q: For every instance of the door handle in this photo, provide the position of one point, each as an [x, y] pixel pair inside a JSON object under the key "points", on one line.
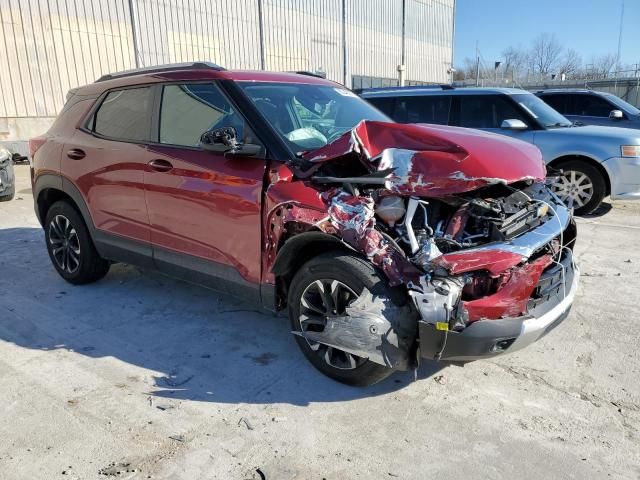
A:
{"points": [[76, 154], [160, 165]]}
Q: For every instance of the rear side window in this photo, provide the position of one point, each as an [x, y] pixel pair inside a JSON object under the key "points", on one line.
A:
{"points": [[558, 103], [189, 110], [487, 111], [125, 115], [423, 109], [384, 104]]}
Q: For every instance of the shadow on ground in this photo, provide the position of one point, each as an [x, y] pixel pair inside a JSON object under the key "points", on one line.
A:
{"points": [[603, 209], [202, 345]]}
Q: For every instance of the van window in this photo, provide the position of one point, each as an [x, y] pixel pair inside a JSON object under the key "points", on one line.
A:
{"points": [[384, 104], [591, 106], [558, 102], [189, 110], [125, 115], [423, 109], [487, 111]]}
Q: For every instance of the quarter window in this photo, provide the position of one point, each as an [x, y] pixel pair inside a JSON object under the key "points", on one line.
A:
{"points": [[125, 115], [189, 110]]}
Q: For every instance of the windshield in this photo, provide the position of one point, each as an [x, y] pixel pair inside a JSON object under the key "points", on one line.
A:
{"points": [[310, 116], [618, 102], [543, 113]]}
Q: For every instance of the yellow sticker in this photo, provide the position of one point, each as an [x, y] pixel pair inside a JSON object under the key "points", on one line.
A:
{"points": [[442, 326]]}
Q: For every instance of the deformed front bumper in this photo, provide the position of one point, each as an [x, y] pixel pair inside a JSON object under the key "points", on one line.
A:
{"points": [[489, 338]]}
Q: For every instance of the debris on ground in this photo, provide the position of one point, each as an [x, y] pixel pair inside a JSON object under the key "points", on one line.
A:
{"points": [[246, 422]]}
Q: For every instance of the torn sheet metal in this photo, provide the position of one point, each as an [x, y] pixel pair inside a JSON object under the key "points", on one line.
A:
{"points": [[353, 217], [431, 161], [494, 261], [512, 297]]}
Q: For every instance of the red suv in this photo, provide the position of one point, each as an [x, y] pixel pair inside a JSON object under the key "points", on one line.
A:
{"points": [[387, 243]]}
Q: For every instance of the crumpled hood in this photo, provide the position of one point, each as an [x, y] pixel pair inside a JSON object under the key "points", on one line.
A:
{"points": [[431, 160]]}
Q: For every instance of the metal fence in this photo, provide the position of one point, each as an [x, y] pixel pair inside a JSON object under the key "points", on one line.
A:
{"points": [[51, 46]]}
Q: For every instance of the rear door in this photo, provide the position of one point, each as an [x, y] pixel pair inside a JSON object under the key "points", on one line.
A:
{"points": [[204, 208], [106, 159]]}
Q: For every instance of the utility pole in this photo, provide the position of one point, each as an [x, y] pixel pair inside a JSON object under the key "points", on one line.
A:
{"points": [[477, 65], [619, 47], [620, 35]]}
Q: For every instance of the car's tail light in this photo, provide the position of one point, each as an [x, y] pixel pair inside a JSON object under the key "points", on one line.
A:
{"points": [[34, 144]]}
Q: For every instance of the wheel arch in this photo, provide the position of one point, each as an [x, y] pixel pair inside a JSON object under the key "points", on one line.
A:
{"points": [[50, 188], [295, 252], [556, 163]]}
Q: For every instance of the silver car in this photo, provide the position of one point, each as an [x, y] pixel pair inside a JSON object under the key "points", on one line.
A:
{"points": [[7, 176], [595, 161]]}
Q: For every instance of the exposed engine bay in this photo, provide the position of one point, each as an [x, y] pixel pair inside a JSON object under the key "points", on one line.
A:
{"points": [[470, 246]]}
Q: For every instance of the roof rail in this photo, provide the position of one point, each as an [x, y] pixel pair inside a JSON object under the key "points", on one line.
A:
{"points": [[308, 73], [161, 68], [442, 86]]}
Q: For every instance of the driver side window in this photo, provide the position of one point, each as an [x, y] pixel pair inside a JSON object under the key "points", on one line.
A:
{"points": [[189, 110]]}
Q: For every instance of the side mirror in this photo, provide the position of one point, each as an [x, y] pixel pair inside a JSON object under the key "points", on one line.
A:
{"points": [[513, 124], [225, 140], [616, 115]]}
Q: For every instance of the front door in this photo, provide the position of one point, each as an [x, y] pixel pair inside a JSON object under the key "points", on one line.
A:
{"points": [[204, 208]]}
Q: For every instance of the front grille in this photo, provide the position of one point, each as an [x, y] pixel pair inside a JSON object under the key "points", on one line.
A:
{"points": [[553, 282]]}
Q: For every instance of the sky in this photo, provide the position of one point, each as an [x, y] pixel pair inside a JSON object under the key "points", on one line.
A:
{"points": [[588, 26]]}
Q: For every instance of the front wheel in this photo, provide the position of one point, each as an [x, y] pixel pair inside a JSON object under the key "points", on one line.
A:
{"points": [[580, 186], [325, 286]]}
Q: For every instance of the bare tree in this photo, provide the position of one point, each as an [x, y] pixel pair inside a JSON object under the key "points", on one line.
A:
{"points": [[545, 53], [515, 60], [603, 64], [467, 70], [570, 63]]}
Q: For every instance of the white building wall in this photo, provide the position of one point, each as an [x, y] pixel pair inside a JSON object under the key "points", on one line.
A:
{"points": [[51, 46]]}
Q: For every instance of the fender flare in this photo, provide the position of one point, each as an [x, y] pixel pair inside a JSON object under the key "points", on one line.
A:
{"points": [[290, 255], [59, 182]]}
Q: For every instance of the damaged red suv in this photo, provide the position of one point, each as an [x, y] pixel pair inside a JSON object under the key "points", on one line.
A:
{"points": [[386, 243]]}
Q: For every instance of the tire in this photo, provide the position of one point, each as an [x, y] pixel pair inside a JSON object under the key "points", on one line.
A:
{"points": [[82, 264], [579, 169], [357, 275]]}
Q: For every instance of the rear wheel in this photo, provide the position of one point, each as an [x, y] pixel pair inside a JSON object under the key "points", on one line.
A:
{"points": [[580, 186], [325, 286], [70, 246]]}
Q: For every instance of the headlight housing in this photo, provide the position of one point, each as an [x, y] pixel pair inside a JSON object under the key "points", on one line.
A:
{"points": [[630, 150]]}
